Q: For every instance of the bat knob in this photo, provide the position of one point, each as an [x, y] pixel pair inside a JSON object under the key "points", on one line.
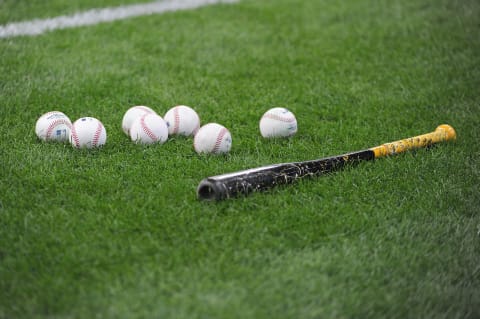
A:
{"points": [[210, 190], [450, 134]]}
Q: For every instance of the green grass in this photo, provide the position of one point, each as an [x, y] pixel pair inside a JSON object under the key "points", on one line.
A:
{"points": [[118, 232]]}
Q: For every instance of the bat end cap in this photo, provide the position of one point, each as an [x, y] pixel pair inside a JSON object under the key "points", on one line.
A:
{"points": [[450, 134], [209, 191]]}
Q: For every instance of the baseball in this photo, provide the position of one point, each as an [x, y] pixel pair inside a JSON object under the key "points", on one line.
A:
{"points": [[212, 138], [132, 114], [182, 120], [278, 122], [88, 132], [53, 126], [148, 129]]}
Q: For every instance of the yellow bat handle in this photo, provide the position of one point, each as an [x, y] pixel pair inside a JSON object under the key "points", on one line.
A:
{"points": [[442, 133]]}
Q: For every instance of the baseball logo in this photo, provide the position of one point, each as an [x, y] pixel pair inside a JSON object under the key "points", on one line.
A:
{"points": [[53, 126]]}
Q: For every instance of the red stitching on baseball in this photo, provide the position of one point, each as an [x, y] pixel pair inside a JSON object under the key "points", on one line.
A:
{"points": [[176, 125], [147, 130], [75, 137], [55, 123], [220, 136], [96, 136], [279, 118]]}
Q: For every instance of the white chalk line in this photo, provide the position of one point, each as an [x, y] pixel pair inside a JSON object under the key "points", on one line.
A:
{"points": [[95, 16]]}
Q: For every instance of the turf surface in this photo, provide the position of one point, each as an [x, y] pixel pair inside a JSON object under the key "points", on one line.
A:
{"points": [[118, 232]]}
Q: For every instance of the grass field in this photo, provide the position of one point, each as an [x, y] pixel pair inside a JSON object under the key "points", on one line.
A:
{"points": [[118, 232]]}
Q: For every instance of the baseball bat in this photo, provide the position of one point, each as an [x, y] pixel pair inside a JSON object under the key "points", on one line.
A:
{"points": [[257, 179]]}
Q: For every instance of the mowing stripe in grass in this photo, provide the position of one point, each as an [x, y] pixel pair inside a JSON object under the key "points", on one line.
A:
{"points": [[95, 16]]}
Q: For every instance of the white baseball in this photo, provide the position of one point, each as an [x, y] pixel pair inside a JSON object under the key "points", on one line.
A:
{"points": [[278, 122], [53, 126], [148, 129], [212, 138], [182, 120], [132, 114], [88, 132]]}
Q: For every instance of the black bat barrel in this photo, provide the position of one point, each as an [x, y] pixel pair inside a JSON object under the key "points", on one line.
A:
{"points": [[245, 182]]}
